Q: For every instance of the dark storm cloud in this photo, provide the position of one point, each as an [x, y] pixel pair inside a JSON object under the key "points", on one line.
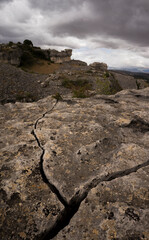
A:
{"points": [[118, 25], [59, 5], [127, 20], [89, 19], [5, 1], [2, 2]]}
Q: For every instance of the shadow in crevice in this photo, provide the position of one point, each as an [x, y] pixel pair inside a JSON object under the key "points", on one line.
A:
{"points": [[139, 125]]}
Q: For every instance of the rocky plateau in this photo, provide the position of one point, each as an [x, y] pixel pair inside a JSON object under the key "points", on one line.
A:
{"points": [[75, 168], [74, 148]]}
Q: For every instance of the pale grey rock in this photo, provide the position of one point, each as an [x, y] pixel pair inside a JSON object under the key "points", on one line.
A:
{"points": [[129, 82], [94, 152], [60, 57], [25, 201]]}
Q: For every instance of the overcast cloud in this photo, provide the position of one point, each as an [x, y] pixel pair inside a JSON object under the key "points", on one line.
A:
{"points": [[112, 31]]}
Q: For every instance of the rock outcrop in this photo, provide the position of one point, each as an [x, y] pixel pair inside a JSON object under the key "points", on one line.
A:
{"points": [[13, 54], [129, 82], [60, 57], [81, 160], [10, 55], [99, 66]]}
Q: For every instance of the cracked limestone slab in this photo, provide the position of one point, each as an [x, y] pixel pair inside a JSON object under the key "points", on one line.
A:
{"points": [[118, 209], [80, 140], [26, 203]]}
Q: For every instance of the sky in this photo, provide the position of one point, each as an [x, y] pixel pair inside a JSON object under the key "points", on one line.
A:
{"points": [[112, 31]]}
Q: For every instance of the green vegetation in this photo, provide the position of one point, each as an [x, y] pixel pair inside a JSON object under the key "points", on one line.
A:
{"points": [[79, 87], [115, 87], [66, 83], [103, 86], [30, 54], [75, 83], [27, 59], [138, 84], [10, 44], [80, 93], [37, 53], [106, 75], [23, 96], [89, 71], [58, 97], [28, 42], [107, 86]]}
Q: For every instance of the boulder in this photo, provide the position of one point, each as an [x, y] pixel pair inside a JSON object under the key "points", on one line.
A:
{"points": [[99, 66]]}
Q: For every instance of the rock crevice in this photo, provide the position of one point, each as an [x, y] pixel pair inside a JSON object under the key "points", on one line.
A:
{"points": [[83, 172], [69, 211], [71, 207], [51, 185]]}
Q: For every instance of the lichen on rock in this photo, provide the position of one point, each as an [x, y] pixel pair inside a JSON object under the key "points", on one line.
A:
{"points": [[94, 155]]}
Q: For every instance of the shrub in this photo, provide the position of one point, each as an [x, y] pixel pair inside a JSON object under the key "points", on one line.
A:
{"points": [[28, 42], [103, 87], [89, 71], [115, 87], [58, 97], [25, 97], [106, 75], [76, 83], [67, 83], [38, 53], [27, 59], [79, 87], [10, 44], [80, 93], [108, 86], [138, 84]]}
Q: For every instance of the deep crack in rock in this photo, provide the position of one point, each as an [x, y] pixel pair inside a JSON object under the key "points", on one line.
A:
{"points": [[69, 211], [71, 207], [36, 123], [51, 185]]}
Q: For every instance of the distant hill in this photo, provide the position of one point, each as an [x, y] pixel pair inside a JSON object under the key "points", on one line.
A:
{"points": [[133, 69]]}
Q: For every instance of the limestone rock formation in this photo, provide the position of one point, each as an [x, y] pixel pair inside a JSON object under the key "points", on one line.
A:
{"points": [[13, 53], [99, 66], [60, 57], [10, 55], [129, 82], [85, 159]]}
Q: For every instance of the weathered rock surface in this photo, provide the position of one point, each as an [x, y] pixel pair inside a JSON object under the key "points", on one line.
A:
{"points": [[85, 158], [60, 57], [13, 54], [129, 82], [18, 85], [99, 66]]}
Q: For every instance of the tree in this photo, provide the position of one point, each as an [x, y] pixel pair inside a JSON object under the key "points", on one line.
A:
{"points": [[28, 42]]}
